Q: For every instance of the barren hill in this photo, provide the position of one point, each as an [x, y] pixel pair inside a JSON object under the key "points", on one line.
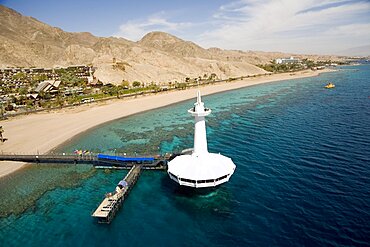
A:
{"points": [[172, 45], [158, 56]]}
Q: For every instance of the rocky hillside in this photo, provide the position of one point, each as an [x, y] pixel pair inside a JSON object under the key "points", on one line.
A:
{"points": [[172, 45], [158, 57]]}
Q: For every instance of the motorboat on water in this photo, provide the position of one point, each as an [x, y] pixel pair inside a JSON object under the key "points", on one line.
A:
{"points": [[330, 85]]}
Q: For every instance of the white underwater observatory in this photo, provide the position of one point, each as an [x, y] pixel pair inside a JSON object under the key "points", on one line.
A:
{"points": [[199, 168]]}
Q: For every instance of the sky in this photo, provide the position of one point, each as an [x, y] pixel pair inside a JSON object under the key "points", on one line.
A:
{"points": [[297, 26]]}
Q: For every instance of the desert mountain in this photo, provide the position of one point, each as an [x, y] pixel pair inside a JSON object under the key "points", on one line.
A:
{"points": [[361, 51], [172, 45], [158, 56]]}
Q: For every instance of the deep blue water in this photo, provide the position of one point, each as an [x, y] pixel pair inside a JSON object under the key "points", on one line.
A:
{"points": [[303, 174]]}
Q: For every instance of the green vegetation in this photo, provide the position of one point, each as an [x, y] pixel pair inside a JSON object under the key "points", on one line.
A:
{"points": [[181, 86], [281, 68], [231, 79], [292, 67], [125, 84], [69, 78], [136, 84], [37, 79], [20, 76], [23, 91]]}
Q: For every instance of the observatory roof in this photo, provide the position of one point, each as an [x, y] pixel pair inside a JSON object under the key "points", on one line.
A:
{"points": [[202, 167]]}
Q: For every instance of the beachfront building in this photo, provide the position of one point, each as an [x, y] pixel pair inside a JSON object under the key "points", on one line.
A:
{"points": [[197, 167], [290, 60], [50, 86]]}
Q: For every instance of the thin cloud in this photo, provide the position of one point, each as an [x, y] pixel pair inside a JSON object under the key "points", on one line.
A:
{"points": [[304, 26], [257, 25], [135, 30], [327, 5]]}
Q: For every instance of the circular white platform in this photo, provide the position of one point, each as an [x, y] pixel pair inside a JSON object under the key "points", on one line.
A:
{"points": [[205, 170]]}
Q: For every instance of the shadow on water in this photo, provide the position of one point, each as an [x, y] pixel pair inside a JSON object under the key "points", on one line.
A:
{"points": [[193, 201]]}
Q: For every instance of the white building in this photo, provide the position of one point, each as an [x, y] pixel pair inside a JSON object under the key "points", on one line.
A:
{"points": [[200, 169], [287, 60]]}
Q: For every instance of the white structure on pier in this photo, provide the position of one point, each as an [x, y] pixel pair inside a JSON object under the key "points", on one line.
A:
{"points": [[200, 169]]}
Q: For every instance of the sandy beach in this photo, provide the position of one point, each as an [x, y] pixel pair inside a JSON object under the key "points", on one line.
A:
{"points": [[42, 132]]}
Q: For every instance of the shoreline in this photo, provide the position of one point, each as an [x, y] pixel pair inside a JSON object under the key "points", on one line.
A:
{"points": [[45, 131]]}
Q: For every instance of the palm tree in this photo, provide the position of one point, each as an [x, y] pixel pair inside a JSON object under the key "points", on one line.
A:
{"points": [[1, 134]]}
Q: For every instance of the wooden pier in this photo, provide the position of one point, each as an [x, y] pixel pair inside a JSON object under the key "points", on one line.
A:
{"points": [[113, 201]]}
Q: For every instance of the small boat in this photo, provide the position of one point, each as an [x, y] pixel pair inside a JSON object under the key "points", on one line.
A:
{"points": [[330, 85]]}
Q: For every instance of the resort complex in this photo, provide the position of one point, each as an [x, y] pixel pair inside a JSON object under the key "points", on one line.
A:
{"points": [[186, 123]]}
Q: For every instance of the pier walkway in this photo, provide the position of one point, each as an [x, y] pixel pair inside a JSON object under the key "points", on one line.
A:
{"points": [[99, 160], [113, 201], [50, 158]]}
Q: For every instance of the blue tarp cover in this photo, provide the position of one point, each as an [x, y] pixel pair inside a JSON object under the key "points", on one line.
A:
{"points": [[123, 183], [126, 159]]}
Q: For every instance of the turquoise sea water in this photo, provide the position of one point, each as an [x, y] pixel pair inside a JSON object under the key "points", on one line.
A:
{"points": [[302, 179]]}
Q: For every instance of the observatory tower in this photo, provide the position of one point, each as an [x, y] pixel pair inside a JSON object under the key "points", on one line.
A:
{"points": [[200, 169]]}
